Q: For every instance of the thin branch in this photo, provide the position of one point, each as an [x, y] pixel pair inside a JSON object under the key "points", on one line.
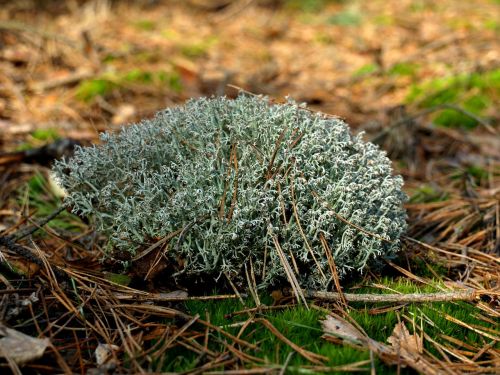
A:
{"points": [[25, 253], [461, 295], [32, 229]]}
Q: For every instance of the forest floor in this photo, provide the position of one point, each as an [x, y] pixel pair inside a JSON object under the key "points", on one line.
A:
{"points": [[420, 78]]}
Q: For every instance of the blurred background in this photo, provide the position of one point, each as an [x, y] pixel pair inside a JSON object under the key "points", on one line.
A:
{"points": [[71, 69]]}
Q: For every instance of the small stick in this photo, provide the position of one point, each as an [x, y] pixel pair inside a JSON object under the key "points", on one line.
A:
{"points": [[10, 242], [461, 295], [25, 253], [32, 229], [161, 297]]}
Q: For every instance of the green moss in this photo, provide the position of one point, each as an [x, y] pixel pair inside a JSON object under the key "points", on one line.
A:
{"points": [[88, 90], [198, 49], [24, 146], [309, 6], [366, 70], [404, 69], [194, 50], [136, 75], [49, 134], [418, 6], [346, 18], [300, 325], [118, 278], [426, 194], [429, 269], [147, 57], [42, 200], [492, 24], [477, 174], [303, 327], [384, 20], [146, 25], [37, 137], [171, 79], [474, 92]]}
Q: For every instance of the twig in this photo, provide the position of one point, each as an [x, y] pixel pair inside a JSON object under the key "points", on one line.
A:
{"points": [[32, 229], [287, 362], [234, 157], [186, 229], [164, 297], [10, 242], [461, 295], [41, 155], [25, 253]]}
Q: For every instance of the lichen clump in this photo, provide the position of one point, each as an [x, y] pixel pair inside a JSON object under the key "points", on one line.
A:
{"points": [[231, 180]]}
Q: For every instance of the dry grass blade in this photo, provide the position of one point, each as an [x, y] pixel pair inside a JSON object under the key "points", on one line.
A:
{"points": [[333, 269], [299, 226], [289, 273], [157, 244]]}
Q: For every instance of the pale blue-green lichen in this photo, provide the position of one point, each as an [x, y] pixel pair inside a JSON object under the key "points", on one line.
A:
{"points": [[233, 175]]}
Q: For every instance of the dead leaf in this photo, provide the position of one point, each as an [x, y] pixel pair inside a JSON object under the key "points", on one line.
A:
{"points": [[405, 349], [403, 342], [103, 353], [344, 330], [23, 267], [19, 347]]}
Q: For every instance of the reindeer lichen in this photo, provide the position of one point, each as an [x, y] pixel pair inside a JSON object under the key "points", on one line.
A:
{"points": [[230, 180]]}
